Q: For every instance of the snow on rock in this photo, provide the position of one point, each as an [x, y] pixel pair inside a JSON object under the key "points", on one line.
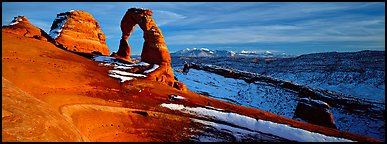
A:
{"points": [[155, 66], [141, 64], [240, 135], [122, 67], [112, 60], [176, 97], [118, 66], [106, 64], [319, 102], [13, 23], [58, 25], [17, 19], [126, 73], [122, 78], [281, 130], [214, 108], [78, 31]]}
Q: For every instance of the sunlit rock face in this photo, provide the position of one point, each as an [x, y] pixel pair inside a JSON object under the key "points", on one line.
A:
{"points": [[78, 31]]}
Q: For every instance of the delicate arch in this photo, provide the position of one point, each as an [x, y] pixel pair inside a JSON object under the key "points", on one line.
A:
{"points": [[154, 49]]}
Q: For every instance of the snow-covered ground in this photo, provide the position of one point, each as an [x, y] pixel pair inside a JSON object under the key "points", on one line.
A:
{"points": [[257, 95], [359, 74], [250, 125], [119, 69], [273, 99], [368, 87]]}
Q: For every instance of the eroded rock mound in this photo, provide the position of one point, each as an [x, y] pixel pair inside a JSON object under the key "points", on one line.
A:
{"points": [[78, 31], [21, 26]]}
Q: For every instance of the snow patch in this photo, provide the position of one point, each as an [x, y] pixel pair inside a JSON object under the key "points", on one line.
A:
{"points": [[123, 78], [155, 66], [122, 67], [123, 75], [177, 97], [324, 104], [54, 33], [126, 73], [214, 108], [13, 23], [236, 132], [141, 64], [112, 60], [281, 130], [106, 64]]}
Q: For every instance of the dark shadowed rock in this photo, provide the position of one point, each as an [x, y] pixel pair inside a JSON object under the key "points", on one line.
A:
{"points": [[315, 112]]}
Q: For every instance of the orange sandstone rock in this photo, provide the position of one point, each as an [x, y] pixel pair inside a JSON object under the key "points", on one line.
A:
{"points": [[79, 31], [21, 26]]}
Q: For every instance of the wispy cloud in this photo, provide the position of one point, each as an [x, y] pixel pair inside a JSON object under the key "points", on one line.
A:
{"points": [[328, 31], [165, 17]]}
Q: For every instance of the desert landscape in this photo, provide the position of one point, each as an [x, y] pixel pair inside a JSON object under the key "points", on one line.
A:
{"points": [[68, 86]]}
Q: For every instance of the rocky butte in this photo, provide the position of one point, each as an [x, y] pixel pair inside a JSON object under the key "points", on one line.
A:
{"points": [[51, 93], [78, 31]]}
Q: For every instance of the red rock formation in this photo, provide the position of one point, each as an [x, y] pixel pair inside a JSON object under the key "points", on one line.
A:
{"points": [[154, 51], [21, 26], [79, 31]]}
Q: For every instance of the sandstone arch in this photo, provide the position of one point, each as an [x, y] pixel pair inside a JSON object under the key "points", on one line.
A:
{"points": [[154, 50]]}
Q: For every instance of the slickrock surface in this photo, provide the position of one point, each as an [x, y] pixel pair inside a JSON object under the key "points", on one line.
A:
{"points": [[25, 118]]}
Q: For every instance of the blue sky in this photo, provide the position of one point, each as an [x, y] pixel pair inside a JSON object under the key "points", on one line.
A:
{"points": [[291, 28]]}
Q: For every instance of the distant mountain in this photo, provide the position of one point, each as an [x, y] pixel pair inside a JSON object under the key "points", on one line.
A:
{"points": [[205, 52], [256, 53]]}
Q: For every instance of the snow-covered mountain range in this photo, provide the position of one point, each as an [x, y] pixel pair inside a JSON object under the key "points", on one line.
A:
{"points": [[205, 52]]}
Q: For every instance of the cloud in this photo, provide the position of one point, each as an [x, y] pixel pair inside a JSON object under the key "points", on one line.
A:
{"points": [[165, 17]]}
